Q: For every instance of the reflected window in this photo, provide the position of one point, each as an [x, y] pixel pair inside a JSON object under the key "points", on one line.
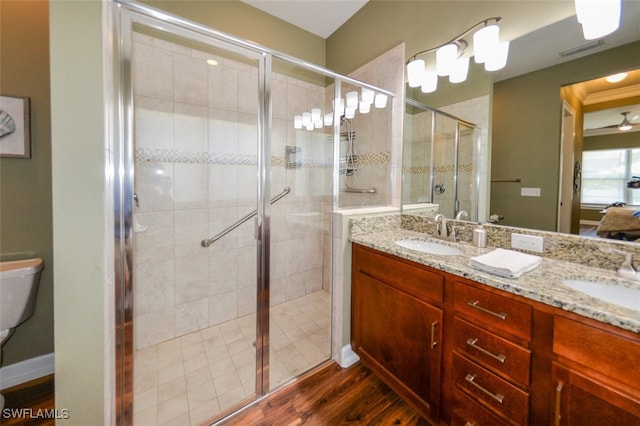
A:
{"points": [[605, 174]]}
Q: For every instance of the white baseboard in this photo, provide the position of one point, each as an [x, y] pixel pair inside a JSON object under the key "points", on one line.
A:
{"points": [[24, 371], [348, 357]]}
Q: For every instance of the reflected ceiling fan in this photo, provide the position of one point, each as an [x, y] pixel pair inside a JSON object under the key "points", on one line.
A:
{"points": [[626, 124]]}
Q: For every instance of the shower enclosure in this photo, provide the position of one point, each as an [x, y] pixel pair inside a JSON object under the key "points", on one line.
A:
{"points": [[224, 217], [440, 163]]}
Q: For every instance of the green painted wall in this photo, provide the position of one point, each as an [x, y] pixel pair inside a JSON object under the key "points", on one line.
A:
{"points": [[526, 134], [25, 184], [80, 216]]}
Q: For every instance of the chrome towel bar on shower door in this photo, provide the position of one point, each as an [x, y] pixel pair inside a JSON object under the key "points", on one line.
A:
{"points": [[207, 243]]}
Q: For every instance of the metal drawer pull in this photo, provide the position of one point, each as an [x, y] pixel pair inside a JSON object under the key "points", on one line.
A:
{"points": [[475, 304], [499, 357], [498, 397], [434, 342], [558, 402]]}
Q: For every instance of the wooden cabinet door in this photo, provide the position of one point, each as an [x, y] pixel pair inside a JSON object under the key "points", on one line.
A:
{"points": [[580, 400], [400, 338]]}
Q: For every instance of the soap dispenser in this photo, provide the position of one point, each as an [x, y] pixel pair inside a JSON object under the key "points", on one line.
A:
{"points": [[480, 236]]}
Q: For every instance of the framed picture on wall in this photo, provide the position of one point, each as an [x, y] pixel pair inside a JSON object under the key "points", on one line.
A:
{"points": [[15, 138]]}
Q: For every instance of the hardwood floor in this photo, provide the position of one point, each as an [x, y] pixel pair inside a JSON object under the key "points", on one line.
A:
{"points": [[330, 395], [30, 403]]}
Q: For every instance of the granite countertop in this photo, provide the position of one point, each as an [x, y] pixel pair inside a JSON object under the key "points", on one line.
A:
{"points": [[543, 284]]}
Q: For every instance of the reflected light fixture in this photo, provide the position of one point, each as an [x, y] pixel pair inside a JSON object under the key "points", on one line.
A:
{"points": [[626, 124], [598, 17], [451, 59], [615, 78], [348, 106]]}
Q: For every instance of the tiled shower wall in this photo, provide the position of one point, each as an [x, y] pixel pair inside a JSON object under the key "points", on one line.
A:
{"points": [[195, 149], [475, 111], [378, 142]]}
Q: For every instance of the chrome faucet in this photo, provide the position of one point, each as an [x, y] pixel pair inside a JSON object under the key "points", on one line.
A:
{"points": [[462, 214], [442, 230], [626, 269]]}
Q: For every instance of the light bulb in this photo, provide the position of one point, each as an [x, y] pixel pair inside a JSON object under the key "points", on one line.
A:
{"points": [[367, 95], [297, 122], [459, 71], [598, 18], [365, 107], [352, 99], [484, 41], [415, 72], [338, 107], [349, 112], [316, 113], [498, 58], [306, 118], [380, 100], [430, 82], [615, 78], [445, 57], [328, 119]]}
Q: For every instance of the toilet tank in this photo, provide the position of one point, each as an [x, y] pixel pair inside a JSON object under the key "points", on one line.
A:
{"points": [[19, 280]]}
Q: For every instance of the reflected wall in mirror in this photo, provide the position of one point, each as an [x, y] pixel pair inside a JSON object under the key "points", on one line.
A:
{"points": [[527, 114], [445, 160]]}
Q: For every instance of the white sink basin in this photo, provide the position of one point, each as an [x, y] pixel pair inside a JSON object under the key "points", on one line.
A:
{"points": [[616, 294], [429, 247]]}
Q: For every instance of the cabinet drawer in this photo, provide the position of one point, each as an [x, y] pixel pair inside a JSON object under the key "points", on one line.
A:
{"points": [[610, 354], [468, 412], [502, 312], [506, 358], [485, 386], [404, 276]]}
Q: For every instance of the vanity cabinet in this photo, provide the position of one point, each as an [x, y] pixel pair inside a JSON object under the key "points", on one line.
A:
{"points": [[464, 353], [491, 358], [397, 325], [596, 377]]}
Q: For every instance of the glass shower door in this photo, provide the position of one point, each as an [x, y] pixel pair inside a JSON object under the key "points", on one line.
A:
{"points": [[467, 196], [196, 127], [444, 164]]}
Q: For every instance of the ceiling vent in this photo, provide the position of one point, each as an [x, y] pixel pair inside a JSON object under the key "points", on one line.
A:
{"points": [[581, 48]]}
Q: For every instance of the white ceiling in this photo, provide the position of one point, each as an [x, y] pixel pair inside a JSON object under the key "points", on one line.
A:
{"points": [[320, 17]]}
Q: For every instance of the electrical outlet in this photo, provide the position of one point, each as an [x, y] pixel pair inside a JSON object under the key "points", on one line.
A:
{"points": [[530, 192], [527, 242]]}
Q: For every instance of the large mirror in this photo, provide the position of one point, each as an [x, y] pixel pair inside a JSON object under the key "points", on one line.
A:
{"points": [[533, 102]]}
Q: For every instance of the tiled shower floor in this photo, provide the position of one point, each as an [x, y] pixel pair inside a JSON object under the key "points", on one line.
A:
{"points": [[192, 378]]}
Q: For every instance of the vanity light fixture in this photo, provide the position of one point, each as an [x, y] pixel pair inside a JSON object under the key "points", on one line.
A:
{"points": [[450, 58], [626, 124], [598, 17], [615, 78]]}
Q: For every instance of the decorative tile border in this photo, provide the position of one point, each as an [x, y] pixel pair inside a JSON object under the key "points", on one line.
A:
{"points": [[425, 170], [149, 155]]}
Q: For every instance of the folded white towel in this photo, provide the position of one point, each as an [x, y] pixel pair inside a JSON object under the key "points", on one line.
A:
{"points": [[506, 263]]}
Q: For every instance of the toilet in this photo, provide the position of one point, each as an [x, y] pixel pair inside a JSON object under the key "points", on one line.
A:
{"points": [[19, 280]]}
